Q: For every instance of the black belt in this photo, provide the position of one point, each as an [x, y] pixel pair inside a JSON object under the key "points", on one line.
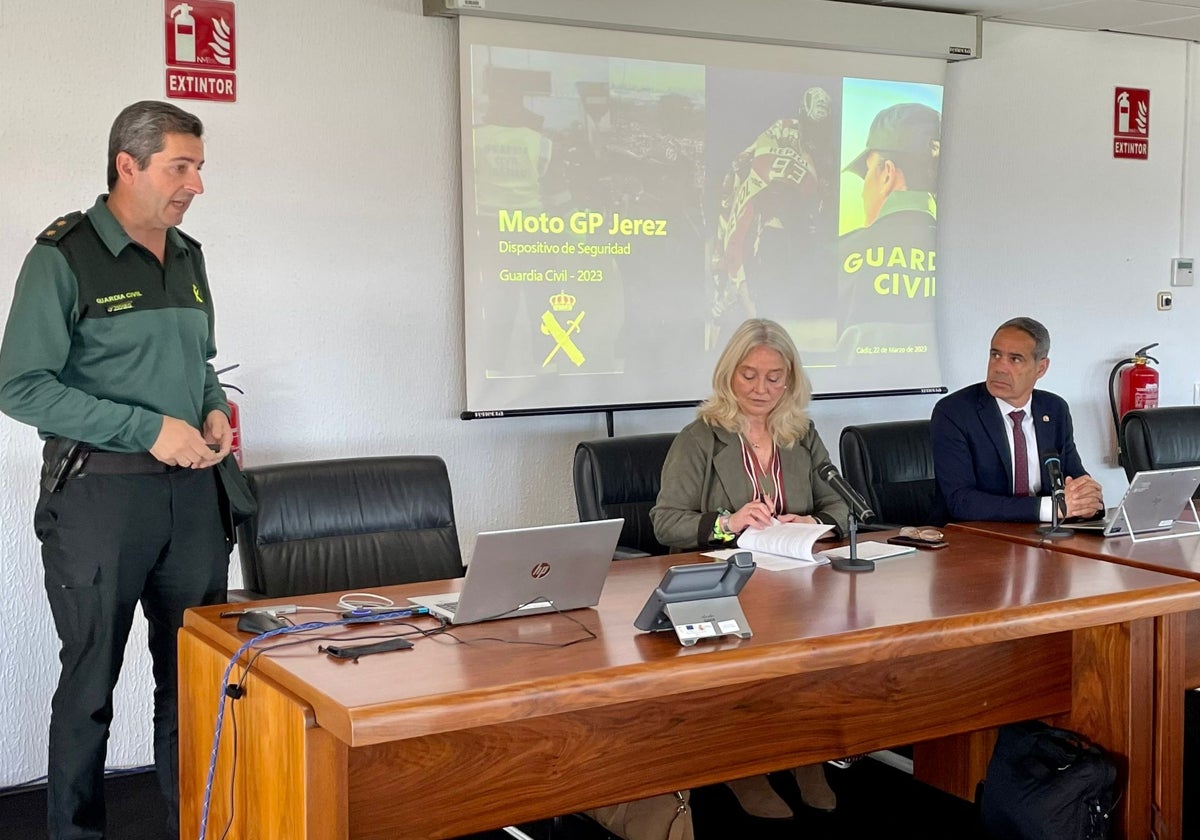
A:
{"points": [[94, 462], [124, 463]]}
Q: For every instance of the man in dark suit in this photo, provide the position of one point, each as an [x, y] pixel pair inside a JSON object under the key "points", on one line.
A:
{"points": [[980, 431]]}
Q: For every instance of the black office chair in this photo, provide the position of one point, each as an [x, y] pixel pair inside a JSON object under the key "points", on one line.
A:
{"points": [[357, 523], [891, 465], [1160, 438], [620, 477]]}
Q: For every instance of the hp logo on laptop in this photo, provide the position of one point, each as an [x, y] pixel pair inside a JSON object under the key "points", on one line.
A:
{"points": [[539, 571]]}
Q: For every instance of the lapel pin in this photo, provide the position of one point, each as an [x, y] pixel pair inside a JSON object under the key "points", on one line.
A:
{"points": [[1045, 418]]}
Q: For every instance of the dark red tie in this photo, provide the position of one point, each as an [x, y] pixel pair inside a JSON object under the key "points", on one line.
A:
{"points": [[1020, 456]]}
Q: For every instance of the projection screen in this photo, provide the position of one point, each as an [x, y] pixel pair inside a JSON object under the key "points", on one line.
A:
{"points": [[629, 199]]}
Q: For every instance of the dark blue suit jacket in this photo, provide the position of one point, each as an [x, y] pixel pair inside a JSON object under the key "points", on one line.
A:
{"points": [[971, 457]]}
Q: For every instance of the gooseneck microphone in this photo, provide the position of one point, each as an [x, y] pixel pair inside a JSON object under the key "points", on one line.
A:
{"points": [[859, 511], [1058, 487], [858, 505], [1058, 507]]}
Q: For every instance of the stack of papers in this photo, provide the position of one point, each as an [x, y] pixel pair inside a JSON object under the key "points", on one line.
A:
{"points": [[784, 545]]}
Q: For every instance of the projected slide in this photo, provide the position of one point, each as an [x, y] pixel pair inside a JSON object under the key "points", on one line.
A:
{"points": [[622, 216]]}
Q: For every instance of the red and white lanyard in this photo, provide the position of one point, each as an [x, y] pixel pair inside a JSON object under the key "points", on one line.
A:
{"points": [[754, 468]]}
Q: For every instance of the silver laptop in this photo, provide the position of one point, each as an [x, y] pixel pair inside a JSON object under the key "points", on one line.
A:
{"points": [[527, 571], [1154, 501]]}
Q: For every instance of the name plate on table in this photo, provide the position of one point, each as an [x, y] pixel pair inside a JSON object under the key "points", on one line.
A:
{"points": [[708, 619]]}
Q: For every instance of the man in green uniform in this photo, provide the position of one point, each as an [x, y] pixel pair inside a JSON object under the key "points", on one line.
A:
{"points": [[107, 352], [888, 282]]}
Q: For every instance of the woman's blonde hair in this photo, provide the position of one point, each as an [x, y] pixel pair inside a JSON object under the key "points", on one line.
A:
{"points": [[788, 421]]}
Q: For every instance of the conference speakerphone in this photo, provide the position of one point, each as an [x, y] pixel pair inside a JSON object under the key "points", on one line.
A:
{"points": [[700, 601]]}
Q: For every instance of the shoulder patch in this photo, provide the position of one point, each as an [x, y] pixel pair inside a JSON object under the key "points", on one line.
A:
{"points": [[189, 240], [55, 231]]}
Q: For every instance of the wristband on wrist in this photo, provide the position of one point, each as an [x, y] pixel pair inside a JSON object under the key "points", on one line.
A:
{"points": [[721, 527]]}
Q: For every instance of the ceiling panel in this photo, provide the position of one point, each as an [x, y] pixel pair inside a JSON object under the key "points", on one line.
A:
{"points": [[1162, 18], [1182, 4], [1189, 29], [1102, 14]]}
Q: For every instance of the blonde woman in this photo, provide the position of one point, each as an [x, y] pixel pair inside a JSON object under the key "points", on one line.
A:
{"points": [[750, 456]]}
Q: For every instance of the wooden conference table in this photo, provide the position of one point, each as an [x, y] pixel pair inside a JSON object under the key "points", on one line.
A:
{"points": [[1181, 663], [1174, 556], [449, 738]]}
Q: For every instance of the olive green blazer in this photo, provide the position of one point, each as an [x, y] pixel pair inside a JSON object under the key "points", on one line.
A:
{"points": [[703, 475]]}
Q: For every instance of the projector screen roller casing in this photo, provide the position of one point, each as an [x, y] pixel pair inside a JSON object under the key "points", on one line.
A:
{"points": [[817, 24]]}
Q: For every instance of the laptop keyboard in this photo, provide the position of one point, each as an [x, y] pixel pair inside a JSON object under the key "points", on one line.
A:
{"points": [[449, 606]]}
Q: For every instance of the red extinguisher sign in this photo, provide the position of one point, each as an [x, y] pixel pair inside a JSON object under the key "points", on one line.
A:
{"points": [[1131, 123], [201, 49]]}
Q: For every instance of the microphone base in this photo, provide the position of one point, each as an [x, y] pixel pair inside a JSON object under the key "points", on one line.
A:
{"points": [[1055, 532], [845, 564]]}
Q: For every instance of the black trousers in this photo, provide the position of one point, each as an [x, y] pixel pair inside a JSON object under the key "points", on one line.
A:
{"points": [[108, 543]]}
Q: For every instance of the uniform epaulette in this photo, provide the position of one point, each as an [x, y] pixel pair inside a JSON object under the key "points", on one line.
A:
{"points": [[59, 227], [189, 240]]}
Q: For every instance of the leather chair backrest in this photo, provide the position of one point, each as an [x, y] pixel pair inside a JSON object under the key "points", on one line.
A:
{"points": [[620, 476], [1160, 438], [891, 465], [356, 523]]}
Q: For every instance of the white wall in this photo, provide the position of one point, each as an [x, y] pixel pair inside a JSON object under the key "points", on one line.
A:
{"points": [[1041, 220], [332, 232]]}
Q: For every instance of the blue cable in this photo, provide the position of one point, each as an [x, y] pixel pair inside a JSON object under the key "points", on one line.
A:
{"points": [[212, 759], [298, 628]]}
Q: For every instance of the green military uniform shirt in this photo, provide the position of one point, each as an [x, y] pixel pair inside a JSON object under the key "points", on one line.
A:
{"points": [[103, 340]]}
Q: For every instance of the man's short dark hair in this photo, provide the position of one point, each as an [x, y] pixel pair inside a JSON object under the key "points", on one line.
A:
{"points": [[140, 130], [1035, 330]]}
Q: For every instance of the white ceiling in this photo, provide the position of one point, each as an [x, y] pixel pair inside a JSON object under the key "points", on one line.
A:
{"points": [[1174, 19]]}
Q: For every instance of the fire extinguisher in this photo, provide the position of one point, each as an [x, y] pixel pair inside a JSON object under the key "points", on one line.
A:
{"points": [[1138, 388], [235, 423]]}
